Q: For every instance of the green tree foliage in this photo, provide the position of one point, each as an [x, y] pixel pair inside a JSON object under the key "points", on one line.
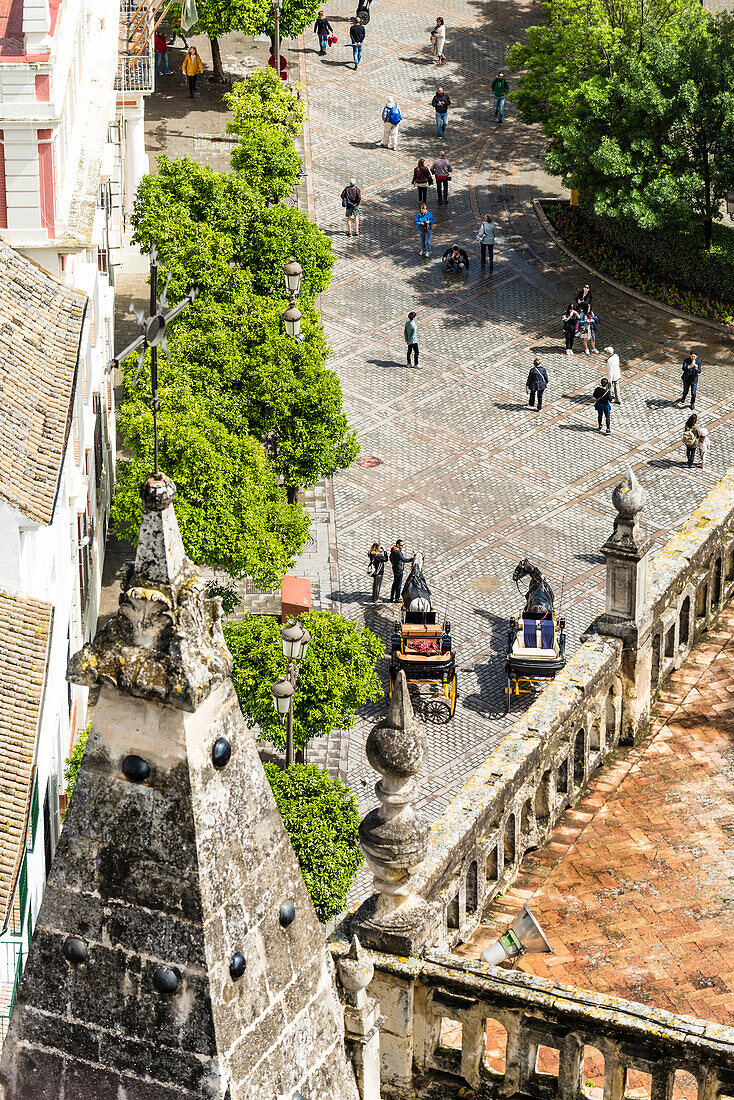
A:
{"points": [[201, 221], [653, 143], [230, 508], [321, 819], [74, 762], [576, 43], [266, 115], [266, 100], [335, 678]]}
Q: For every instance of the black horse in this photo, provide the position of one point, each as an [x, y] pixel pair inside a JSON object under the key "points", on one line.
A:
{"points": [[539, 596]]}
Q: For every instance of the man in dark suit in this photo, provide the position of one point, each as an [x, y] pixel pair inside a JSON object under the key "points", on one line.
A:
{"points": [[536, 383], [397, 561]]}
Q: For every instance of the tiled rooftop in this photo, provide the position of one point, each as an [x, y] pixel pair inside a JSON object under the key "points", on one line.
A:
{"points": [[25, 627], [40, 329]]}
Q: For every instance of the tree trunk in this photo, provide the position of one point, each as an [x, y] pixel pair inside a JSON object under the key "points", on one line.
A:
{"points": [[707, 231], [708, 213], [217, 76], [292, 491]]}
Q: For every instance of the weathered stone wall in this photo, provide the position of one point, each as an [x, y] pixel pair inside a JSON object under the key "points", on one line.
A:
{"points": [[180, 871], [417, 995], [601, 697]]}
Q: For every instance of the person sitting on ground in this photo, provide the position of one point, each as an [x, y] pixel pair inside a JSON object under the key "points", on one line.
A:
{"points": [[455, 259]]}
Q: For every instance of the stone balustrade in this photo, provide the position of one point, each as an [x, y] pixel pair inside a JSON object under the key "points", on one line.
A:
{"points": [[542, 1023], [602, 697]]}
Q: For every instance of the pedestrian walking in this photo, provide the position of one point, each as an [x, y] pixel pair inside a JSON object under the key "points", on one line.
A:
{"points": [[704, 446], [690, 375], [441, 169], [441, 103], [570, 326], [583, 297], [614, 374], [500, 88], [392, 118], [485, 236], [603, 404], [351, 197], [536, 384], [160, 43], [376, 568], [438, 40], [424, 220], [397, 561], [422, 179], [691, 436], [322, 28], [191, 68], [356, 34], [586, 330], [455, 259], [411, 338]]}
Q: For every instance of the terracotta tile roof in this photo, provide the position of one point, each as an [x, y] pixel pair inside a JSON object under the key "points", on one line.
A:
{"points": [[40, 329], [25, 628]]}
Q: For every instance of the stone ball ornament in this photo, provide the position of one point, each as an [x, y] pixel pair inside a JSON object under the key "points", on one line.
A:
{"points": [[237, 965], [157, 492], [74, 950], [221, 752], [396, 747], [629, 496], [287, 913], [135, 769], [165, 981]]}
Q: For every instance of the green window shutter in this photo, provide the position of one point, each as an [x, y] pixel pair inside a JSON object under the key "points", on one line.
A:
{"points": [[33, 822]]}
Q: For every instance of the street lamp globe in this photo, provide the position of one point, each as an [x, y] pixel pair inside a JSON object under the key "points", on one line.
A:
{"points": [[292, 321], [291, 635], [292, 275], [305, 639], [282, 691]]}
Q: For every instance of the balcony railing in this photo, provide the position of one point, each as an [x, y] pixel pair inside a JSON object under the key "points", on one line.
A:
{"points": [[11, 968]]}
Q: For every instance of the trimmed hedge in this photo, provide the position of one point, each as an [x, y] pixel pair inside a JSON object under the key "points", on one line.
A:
{"points": [[321, 818], [677, 255], [581, 236]]}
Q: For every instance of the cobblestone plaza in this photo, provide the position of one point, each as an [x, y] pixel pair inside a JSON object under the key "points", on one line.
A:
{"points": [[467, 473]]}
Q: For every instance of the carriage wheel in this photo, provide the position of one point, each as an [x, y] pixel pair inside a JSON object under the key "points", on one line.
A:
{"points": [[363, 16], [436, 711], [452, 695], [508, 692]]}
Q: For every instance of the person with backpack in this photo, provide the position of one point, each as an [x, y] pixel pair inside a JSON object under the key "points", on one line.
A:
{"points": [[485, 236], [691, 437], [351, 197], [356, 34], [411, 338], [441, 103], [392, 118], [424, 220], [441, 169], [322, 28], [690, 375], [603, 404], [500, 88], [376, 568], [536, 384]]}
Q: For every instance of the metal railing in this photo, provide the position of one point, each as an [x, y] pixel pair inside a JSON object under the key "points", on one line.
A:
{"points": [[11, 968]]}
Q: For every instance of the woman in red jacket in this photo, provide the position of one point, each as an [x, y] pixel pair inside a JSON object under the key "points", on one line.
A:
{"points": [[161, 54]]}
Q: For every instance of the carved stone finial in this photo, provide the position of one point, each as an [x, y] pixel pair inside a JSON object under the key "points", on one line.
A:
{"points": [[166, 641], [394, 840], [629, 496], [356, 970]]}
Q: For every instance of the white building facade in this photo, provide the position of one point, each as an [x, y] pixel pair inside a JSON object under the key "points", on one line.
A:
{"points": [[73, 75]]}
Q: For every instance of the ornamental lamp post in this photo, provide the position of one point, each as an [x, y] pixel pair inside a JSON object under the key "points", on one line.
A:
{"points": [[294, 639], [292, 277]]}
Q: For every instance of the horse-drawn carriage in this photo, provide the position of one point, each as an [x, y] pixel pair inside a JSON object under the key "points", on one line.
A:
{"points": [[536, 643], [421, 647]]}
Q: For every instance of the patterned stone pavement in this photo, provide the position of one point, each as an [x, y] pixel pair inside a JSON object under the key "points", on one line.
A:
{"points": [[635, 889], [467, 473]]}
